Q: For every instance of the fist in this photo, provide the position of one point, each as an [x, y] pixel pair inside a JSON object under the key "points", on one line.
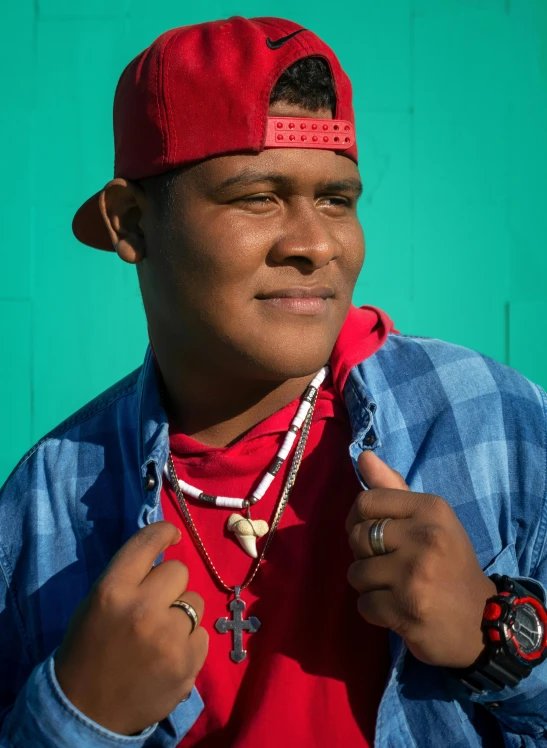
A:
{"points": [[429, 587], [128, 658]]}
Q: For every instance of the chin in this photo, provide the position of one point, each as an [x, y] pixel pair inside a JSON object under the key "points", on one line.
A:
{"points": [[291, 358]]}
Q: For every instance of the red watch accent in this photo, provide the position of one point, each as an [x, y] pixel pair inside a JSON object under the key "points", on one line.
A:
{"points": [[492, 611]]}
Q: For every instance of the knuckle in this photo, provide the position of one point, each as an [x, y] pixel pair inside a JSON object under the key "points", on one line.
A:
{"points": [[436, 506], [196, 598], [175, 568], [186, 688], [356, 538], [139, 620], [107, 594]]}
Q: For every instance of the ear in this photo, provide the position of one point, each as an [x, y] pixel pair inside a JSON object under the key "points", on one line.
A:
{"points": [[122, 203]]}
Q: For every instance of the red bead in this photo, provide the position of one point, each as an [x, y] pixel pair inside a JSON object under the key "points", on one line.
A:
{"points": [[302, 125], [292, 137], [325, 127], [279, 125], [291, 125], [280, 137], [326, 138], [314, 138]]}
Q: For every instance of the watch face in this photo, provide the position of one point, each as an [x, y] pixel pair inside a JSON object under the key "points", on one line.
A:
{"points": [[528, 629]]}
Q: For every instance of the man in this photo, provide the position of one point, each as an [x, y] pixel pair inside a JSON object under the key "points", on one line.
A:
{"points": [[233, 623]]}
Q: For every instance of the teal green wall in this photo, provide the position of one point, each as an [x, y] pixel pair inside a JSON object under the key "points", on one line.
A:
{"points": [[451, 106]]}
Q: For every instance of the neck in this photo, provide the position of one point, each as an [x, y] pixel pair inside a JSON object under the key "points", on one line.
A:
{"points": [[214, 408]]}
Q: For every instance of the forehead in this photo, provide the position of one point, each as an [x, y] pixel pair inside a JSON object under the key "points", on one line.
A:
{"points": [[299, 166]]}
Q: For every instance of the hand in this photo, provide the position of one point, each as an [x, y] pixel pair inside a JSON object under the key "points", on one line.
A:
{"points": [[429, 587], [127, 658]]}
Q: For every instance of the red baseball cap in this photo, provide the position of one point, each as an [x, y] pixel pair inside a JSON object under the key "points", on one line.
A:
{"points": [[203, 90]]}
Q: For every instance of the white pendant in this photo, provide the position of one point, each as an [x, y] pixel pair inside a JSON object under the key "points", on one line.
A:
{"points": [[247, 531]]}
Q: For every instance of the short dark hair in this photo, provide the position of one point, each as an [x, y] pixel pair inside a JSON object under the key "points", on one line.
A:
{"points": [[307, 82]]}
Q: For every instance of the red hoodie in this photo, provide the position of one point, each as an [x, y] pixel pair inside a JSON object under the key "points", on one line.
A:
{"points": [[315, 671]]}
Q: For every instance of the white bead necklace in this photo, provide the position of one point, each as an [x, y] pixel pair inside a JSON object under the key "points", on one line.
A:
{"points": [[245, 529], [271, 472]]}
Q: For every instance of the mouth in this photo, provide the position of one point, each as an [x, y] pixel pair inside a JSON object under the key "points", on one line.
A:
{"points": [[298, 300]]}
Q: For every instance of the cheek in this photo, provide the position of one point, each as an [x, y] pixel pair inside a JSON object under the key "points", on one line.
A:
{"points": [[212, 269], [350, 238]]}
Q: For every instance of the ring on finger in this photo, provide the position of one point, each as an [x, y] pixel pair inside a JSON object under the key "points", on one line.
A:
{"points": [[376, 536], [189, 610]]}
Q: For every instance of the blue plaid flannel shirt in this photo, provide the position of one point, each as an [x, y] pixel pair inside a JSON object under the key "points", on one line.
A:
{"points": [[451, 421]]}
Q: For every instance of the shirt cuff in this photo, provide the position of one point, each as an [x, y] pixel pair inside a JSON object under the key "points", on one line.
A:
{"points": [[43, 717]]}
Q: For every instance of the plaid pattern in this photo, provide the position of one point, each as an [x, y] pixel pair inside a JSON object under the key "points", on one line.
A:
{"points": [[451, 421]]}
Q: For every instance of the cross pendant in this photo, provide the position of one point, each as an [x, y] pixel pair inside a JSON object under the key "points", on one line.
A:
{"points": [[237, 625]]}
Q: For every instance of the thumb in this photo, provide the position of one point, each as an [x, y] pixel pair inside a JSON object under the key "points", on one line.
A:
{"points": [[377, 474]]}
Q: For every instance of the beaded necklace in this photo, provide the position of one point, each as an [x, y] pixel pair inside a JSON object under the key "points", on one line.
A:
{"points": [[246, 529], [238, 624]]}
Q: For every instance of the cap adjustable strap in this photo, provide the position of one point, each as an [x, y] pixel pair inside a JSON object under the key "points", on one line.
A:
{"points": [[305, 132]]}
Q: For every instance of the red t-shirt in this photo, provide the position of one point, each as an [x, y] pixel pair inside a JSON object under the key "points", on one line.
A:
{"points": [[315, 671]]}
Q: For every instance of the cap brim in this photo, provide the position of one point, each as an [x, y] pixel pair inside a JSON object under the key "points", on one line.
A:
{"points": [[88, 225]]}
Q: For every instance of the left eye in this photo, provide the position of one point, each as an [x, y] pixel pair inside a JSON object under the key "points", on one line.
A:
{"points": [[338, 201], [256, 199]]}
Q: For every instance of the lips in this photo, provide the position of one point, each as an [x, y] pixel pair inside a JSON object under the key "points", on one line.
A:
{"points": [[298, 300], [318, 292]]}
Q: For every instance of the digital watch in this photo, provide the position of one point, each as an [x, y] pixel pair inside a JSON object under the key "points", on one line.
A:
{"points": [[515, 624]]}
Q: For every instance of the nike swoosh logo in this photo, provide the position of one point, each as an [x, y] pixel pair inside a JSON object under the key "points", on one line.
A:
{"points": [[278, 43]]}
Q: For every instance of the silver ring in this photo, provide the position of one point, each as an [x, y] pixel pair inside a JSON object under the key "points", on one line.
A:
{"points": [[190, 612], [376, 536]]}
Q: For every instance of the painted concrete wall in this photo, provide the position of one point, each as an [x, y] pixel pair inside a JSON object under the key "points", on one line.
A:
{"points": [[451, 105]]}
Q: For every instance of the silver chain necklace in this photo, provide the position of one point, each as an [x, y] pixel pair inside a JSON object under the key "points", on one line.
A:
{"points": [[237, 624]]}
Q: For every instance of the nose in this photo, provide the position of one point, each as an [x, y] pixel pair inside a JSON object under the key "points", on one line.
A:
{"points": [[305, 240]]}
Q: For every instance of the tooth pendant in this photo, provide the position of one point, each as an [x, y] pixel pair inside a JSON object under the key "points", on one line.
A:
{"points": [[247, 531]]}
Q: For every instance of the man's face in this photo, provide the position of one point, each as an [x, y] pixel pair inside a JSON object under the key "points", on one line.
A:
{"points": [[245, 233]]}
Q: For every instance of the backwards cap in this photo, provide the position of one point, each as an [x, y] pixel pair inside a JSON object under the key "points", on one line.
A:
{"points": [[204, 90]]}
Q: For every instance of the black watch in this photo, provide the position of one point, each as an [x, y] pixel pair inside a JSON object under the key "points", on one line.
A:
{"points": [[515, 625]]}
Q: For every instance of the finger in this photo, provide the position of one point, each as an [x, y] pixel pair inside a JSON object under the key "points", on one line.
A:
{"points": [[378, 573], [379, 503], [133, 561], [165, 582], [199, 647], [197, 603], [390, 502], [378, 474], [379, 608], [200, 644], [393, 535]]}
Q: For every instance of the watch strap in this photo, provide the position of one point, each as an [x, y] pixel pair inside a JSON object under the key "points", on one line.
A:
{"points": [[493, 671]]}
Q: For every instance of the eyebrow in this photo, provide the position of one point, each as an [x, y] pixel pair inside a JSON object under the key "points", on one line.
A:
{"points": [[250, 176]]}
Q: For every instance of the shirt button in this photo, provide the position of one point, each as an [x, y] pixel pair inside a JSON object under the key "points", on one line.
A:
{"points": [[149, 482], [370, 438]]}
